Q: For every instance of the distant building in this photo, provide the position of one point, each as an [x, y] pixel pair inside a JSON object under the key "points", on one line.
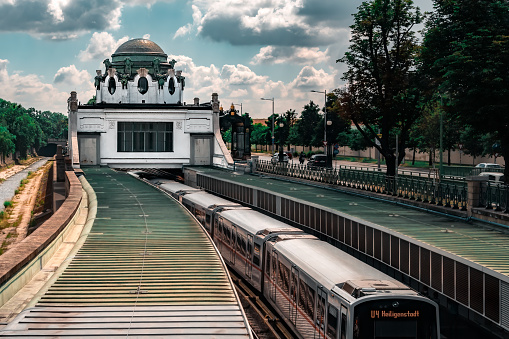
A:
{"points": [[139, 118]]}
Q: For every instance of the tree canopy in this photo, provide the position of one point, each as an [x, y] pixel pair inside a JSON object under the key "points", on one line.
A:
{"points": [[28, 128], [381, 92]]}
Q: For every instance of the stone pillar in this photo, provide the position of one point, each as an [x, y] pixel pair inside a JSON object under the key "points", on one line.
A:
{"points": [[473, 192], [59, 158], [72, 138]]}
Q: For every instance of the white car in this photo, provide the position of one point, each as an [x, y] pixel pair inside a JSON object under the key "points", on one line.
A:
{"points": [[488, 165], [275, 158], [494, 176]]}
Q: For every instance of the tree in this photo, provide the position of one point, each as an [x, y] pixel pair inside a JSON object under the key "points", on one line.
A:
{"points": [[6, 142], [465, 56], [305, 128], [382, 90], [260, 134]]}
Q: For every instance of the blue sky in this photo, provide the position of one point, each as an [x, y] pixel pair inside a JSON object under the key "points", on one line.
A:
{"points": [[243, 50]]}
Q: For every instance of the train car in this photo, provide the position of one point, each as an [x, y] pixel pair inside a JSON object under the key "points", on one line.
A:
{"points": [[322, 292], [319, 290], [241, 234], [175, 189]]}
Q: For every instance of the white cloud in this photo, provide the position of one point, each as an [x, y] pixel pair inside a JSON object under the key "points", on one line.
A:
{"points": [[146, 36], [188, 28], [272, 22], [101, 46], [240, 84], [311, 78], [72, 76], [239, 93], [59, 19], [147, 3], [286, 54], [30, 91]]}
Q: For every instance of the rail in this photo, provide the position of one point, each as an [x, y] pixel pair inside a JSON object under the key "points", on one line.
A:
{"points": [[451, 194], [494, 196]]}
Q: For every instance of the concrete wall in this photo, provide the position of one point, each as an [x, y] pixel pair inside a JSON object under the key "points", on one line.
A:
{"points": [[19, 257]]}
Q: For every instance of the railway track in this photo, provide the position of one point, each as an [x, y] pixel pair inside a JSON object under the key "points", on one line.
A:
{"points": [[263, 320]]}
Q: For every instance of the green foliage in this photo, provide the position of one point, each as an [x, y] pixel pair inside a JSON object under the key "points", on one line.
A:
{"points": [[382, 87], [6, 141], [28, 128], [465, 56], [7, 204], [227, 135], [305, 129], [260, 134]]}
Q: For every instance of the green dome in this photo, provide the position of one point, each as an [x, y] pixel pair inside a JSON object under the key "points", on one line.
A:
{"points": [[139, 46], [140, 53]]}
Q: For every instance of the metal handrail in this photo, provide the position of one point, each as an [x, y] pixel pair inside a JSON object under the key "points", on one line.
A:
{"points": [[448, 193]]}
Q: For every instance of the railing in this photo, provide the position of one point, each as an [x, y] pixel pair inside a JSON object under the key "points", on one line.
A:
{"points": [[494, 196], [446, 193]]}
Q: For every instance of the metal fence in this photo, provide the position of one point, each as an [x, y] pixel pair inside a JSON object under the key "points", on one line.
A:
{"points": [[494, 196], [446, 193]]}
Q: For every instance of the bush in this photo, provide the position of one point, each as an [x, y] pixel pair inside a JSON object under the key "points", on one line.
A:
{"points": [[7, 204], [16, 192]]}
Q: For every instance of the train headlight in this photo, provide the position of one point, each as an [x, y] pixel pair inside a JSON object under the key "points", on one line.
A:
{"points": [[395, 304]]}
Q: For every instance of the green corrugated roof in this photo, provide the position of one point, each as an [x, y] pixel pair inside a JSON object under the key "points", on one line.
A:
{"points": [[140, 238], [470, 240]]}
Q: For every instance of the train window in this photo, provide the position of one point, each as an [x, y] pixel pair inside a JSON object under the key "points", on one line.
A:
{"points": [[320, 309], [284, 278], [256, 256], [307, 299], [332, 322], [207, 219]]}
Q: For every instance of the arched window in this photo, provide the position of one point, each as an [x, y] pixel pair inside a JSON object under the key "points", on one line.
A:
{"points": [[112, 85], [171, 86], [143, 85]]}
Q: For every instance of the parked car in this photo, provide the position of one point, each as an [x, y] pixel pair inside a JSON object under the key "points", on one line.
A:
{"points": [[488, 165], [494, 176], [317, 160], [275, 158]]}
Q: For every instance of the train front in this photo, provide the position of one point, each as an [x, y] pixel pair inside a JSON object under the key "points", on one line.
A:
{"points": [[384, 312]]}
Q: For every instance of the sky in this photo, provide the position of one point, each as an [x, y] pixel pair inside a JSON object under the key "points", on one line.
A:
{"points": [[242, 50]]}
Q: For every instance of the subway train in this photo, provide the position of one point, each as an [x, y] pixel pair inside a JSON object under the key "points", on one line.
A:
{"points": [[319, 290]]}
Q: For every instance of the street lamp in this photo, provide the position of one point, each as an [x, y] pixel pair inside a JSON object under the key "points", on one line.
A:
{"points": [[240, 108], [272, 130], [325, 123], [281, 153]]}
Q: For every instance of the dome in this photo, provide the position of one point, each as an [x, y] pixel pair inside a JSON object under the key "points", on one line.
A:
{"points": [[139, 46]]}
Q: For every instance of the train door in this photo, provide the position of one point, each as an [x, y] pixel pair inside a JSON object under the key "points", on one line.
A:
{"points": [[273, 275], [332, 322], [321, 302], [343, 326], [294, 295], [249, 256]]}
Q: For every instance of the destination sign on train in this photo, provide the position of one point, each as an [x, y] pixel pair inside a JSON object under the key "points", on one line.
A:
{"points": [[378, 314]]}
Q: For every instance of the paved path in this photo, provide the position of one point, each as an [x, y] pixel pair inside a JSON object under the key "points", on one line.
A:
{"points": [[8, 187]]}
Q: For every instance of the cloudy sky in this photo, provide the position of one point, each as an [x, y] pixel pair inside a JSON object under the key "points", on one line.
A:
{"points": [[243, 50]]}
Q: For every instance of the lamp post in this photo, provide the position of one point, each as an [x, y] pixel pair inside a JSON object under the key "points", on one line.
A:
{"points": [[272, 129], [240, 108], [325, 123], [441, 168], [281, 153]]}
